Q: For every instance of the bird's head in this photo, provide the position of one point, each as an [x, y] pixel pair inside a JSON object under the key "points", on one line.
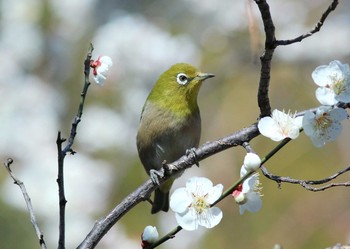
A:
{"points": [[178, 87]]}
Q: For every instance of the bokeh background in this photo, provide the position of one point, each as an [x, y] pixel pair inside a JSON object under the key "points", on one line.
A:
{"points": [[43, 44]]}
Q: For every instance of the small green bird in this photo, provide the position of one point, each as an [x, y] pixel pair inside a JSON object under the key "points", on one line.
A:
{"points": [[170, 124]]}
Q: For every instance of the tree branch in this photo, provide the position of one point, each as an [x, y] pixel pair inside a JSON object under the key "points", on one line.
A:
{"points": [[30, 209], [63, 152], [270, 44], [317, 27], [307, 184], [265, 59]]}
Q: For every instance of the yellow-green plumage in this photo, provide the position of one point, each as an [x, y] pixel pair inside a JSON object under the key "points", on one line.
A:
{"points": [[170, 123]]}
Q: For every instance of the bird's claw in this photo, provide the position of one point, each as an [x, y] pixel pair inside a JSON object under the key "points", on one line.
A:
{"points": [[192, 152], [155, 175]]}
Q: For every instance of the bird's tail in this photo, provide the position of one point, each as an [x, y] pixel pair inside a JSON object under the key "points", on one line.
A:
{"points": [[161, 201]]}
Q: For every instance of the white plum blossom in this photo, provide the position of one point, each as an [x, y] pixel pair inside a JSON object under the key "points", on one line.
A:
{"points": [[334, 83], [324, 125], [247, 195], [251, 162], [100, 69], [280, 126], [149, 236], [192, 204]]}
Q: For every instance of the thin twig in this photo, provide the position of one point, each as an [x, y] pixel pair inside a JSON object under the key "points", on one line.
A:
{"points": [[61, 194], [165, 238], [307, 184], [317, 27], [33, 220], [68, 148]]}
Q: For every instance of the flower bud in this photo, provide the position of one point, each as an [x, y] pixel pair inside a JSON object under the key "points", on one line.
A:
{"points": [[251, 162], [149, 236]]}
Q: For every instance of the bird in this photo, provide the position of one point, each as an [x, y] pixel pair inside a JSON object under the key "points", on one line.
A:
{"points": [[170, 125]]}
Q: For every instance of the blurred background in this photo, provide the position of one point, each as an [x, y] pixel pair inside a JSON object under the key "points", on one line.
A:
{"points": [[43, 44]]}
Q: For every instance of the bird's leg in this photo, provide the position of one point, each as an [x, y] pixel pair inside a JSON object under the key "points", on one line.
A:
{"points": [[155, 175], [192, 152], [149, 200]]}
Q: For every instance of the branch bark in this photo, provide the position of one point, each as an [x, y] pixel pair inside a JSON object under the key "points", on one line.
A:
{"points": [[265, 59], [30, 209], [68, 148]]}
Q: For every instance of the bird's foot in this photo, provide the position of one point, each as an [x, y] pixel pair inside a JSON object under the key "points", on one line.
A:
{"points": [[192, 152], [155, 175], [168, 167]]}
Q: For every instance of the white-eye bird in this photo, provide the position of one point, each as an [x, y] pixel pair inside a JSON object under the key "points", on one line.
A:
{"points": [[170, 124]]}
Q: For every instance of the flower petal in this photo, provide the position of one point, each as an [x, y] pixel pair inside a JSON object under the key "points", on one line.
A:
{"points": [[99, 79], [326, 96], [180, 200], [270, 128], [106, 60], [308, 121], [212, 218], [215, 193], [253, 203], [250, 183], [187, 220], [201, 184], [338, 114], [298, 121], [321, 75]]}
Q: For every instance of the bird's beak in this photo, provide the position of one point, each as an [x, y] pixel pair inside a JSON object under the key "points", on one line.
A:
{"points": [[204, 76]]}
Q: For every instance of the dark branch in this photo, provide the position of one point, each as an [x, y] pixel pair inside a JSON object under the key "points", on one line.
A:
{"points": [[317, 27], [77, 119], [61, 194], [307, 184], [33, 220], [63, 152], [270, 45]]}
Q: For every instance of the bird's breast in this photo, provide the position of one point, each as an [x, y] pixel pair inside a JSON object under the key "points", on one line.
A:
{"points": [[164, 135]]}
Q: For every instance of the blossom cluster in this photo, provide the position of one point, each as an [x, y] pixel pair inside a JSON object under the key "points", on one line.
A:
{"points": [[323, 124], [193, 204], [247, 195]]}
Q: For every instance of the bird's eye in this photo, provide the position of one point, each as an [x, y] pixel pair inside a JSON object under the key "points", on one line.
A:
{"points": [[182, 79]]}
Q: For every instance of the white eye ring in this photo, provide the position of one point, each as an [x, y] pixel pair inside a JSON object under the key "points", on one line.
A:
{"points": [[182, 79]]}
